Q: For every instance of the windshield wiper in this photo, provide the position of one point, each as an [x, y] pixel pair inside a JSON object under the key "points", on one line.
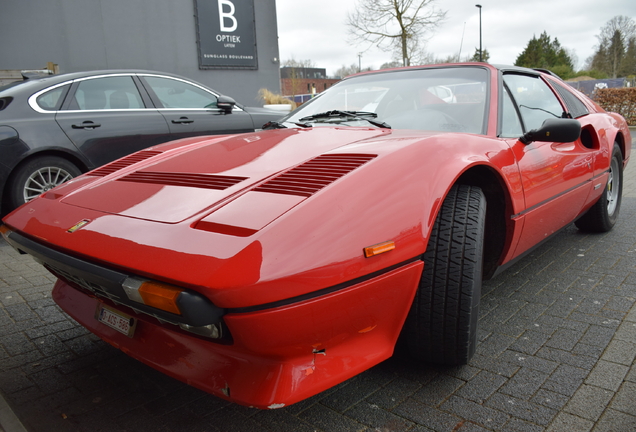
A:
{"points": [[273, 125], [349, 115], [279, 125]]}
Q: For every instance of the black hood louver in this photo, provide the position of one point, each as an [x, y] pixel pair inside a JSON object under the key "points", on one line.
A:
{"points": [[123, 163], [310, 177], [203, 181]]}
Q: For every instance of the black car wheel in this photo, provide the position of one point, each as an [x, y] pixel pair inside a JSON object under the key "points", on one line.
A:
{"points": [[442, 324], [602, 216], [37, 176]]}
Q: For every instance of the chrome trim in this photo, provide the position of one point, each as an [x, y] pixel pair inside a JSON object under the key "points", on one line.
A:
{"points": [[187, 82], [32, 101]]}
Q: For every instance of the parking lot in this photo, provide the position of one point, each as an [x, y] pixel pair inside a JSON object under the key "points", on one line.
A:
{"points": [[557, 353]]}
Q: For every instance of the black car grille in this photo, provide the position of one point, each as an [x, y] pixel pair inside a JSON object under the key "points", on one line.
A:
{"points": [[101, 291], [80, 282]]}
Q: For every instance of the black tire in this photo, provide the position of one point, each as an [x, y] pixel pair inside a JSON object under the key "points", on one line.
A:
{"points": [[37, 176], [442, 324], [602, 216]]}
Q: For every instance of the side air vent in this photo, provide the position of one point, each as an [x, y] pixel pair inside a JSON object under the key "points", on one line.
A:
{"points": [[123, 163], [310, 177], [204, 181]]}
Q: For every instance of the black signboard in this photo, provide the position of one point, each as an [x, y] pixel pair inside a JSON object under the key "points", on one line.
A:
{"points": [[225, 34]]}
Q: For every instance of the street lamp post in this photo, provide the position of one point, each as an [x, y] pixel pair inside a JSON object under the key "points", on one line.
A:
{"points": [[479, 6]]}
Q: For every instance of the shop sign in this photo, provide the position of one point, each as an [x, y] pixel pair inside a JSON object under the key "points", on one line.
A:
{"points": [[226, 35]]}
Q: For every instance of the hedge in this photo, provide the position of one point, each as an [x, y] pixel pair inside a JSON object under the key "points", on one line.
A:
{"points": [[618, 100]]}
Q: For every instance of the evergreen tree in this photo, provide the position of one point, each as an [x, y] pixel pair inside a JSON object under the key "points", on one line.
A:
{"points": [[545, 53], [485, 55], [616, 52], [628, 63]]}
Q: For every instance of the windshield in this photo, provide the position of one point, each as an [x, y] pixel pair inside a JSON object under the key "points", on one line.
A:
{"points": [[442, 99]]}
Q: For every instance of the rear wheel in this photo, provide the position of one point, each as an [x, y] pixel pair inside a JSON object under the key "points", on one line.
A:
{"points": [[602, 216], [442, 324], [38, 176]]}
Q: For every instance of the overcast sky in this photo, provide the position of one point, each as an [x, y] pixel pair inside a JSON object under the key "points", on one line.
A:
{"points": [[317, 30]]}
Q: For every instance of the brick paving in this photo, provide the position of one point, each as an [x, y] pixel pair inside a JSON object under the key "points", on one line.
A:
{"points": [[557, 353]]}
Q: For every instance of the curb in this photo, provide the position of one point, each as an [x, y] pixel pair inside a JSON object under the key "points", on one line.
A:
{"points": [[8, 420]]}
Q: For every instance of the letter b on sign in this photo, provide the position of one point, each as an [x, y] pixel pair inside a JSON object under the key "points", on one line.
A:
{"points": [[224, 17]]}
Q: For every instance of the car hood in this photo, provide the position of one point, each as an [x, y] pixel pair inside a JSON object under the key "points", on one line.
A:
{"points": [[255, 218], [174, 183]]}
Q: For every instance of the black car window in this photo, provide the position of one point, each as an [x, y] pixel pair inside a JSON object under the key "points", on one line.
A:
{"points": [[576, 108], [534, 98], [510, 124], [116, 93], [179, 94], [52, 99]]}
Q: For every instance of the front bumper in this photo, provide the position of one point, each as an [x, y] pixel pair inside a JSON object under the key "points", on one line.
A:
{"points": [[277, 356]]}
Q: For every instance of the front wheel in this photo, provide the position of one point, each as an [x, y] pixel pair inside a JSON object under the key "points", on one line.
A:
{"points": [[37, 176], [602, 216], [442, 324]]}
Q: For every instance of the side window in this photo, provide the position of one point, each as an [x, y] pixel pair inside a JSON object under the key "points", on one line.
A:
{"points": [[52, 99], [576, 108], [115, 93], [510, 124], [534, 98], [179, 94]]}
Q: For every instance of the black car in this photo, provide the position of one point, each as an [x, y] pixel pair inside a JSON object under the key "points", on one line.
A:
{"points": [[57, 127]]}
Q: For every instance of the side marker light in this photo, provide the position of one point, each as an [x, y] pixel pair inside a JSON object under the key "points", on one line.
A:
{"points": [[379, 248], [4, 230]]}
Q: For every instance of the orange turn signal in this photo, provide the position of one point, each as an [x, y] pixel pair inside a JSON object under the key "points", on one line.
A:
{"points": [[4, 230], [160, 296], [379, 248]]}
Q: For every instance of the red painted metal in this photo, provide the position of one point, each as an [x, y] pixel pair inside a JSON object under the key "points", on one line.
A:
{"points": [[279, 356]]}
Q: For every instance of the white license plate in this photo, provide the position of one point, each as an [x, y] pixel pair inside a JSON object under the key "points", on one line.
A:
{"points": [[117, 320]]}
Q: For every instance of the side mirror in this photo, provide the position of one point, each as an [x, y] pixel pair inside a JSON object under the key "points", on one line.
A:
{"points": [[554, 130], [225, 104]]}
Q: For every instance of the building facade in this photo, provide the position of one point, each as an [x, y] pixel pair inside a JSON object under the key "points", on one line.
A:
{"points": [[229, 45], [304, 81]]}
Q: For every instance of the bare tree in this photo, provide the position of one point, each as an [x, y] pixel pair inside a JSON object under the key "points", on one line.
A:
{"points": [[613, 41], [391, 64], [625, 25], [394, 25], [344, 70], [301, 64]]}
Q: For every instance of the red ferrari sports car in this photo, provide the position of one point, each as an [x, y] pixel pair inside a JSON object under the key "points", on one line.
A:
{"points": [[267, 267]]}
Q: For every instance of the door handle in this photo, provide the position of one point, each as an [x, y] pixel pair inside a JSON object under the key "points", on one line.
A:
{"points": [[183, 120], [86, 125]]}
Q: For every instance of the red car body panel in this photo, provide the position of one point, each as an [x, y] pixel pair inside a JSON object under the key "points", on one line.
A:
{"points": [[212, 258], [280, 356], [303, 305]]}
